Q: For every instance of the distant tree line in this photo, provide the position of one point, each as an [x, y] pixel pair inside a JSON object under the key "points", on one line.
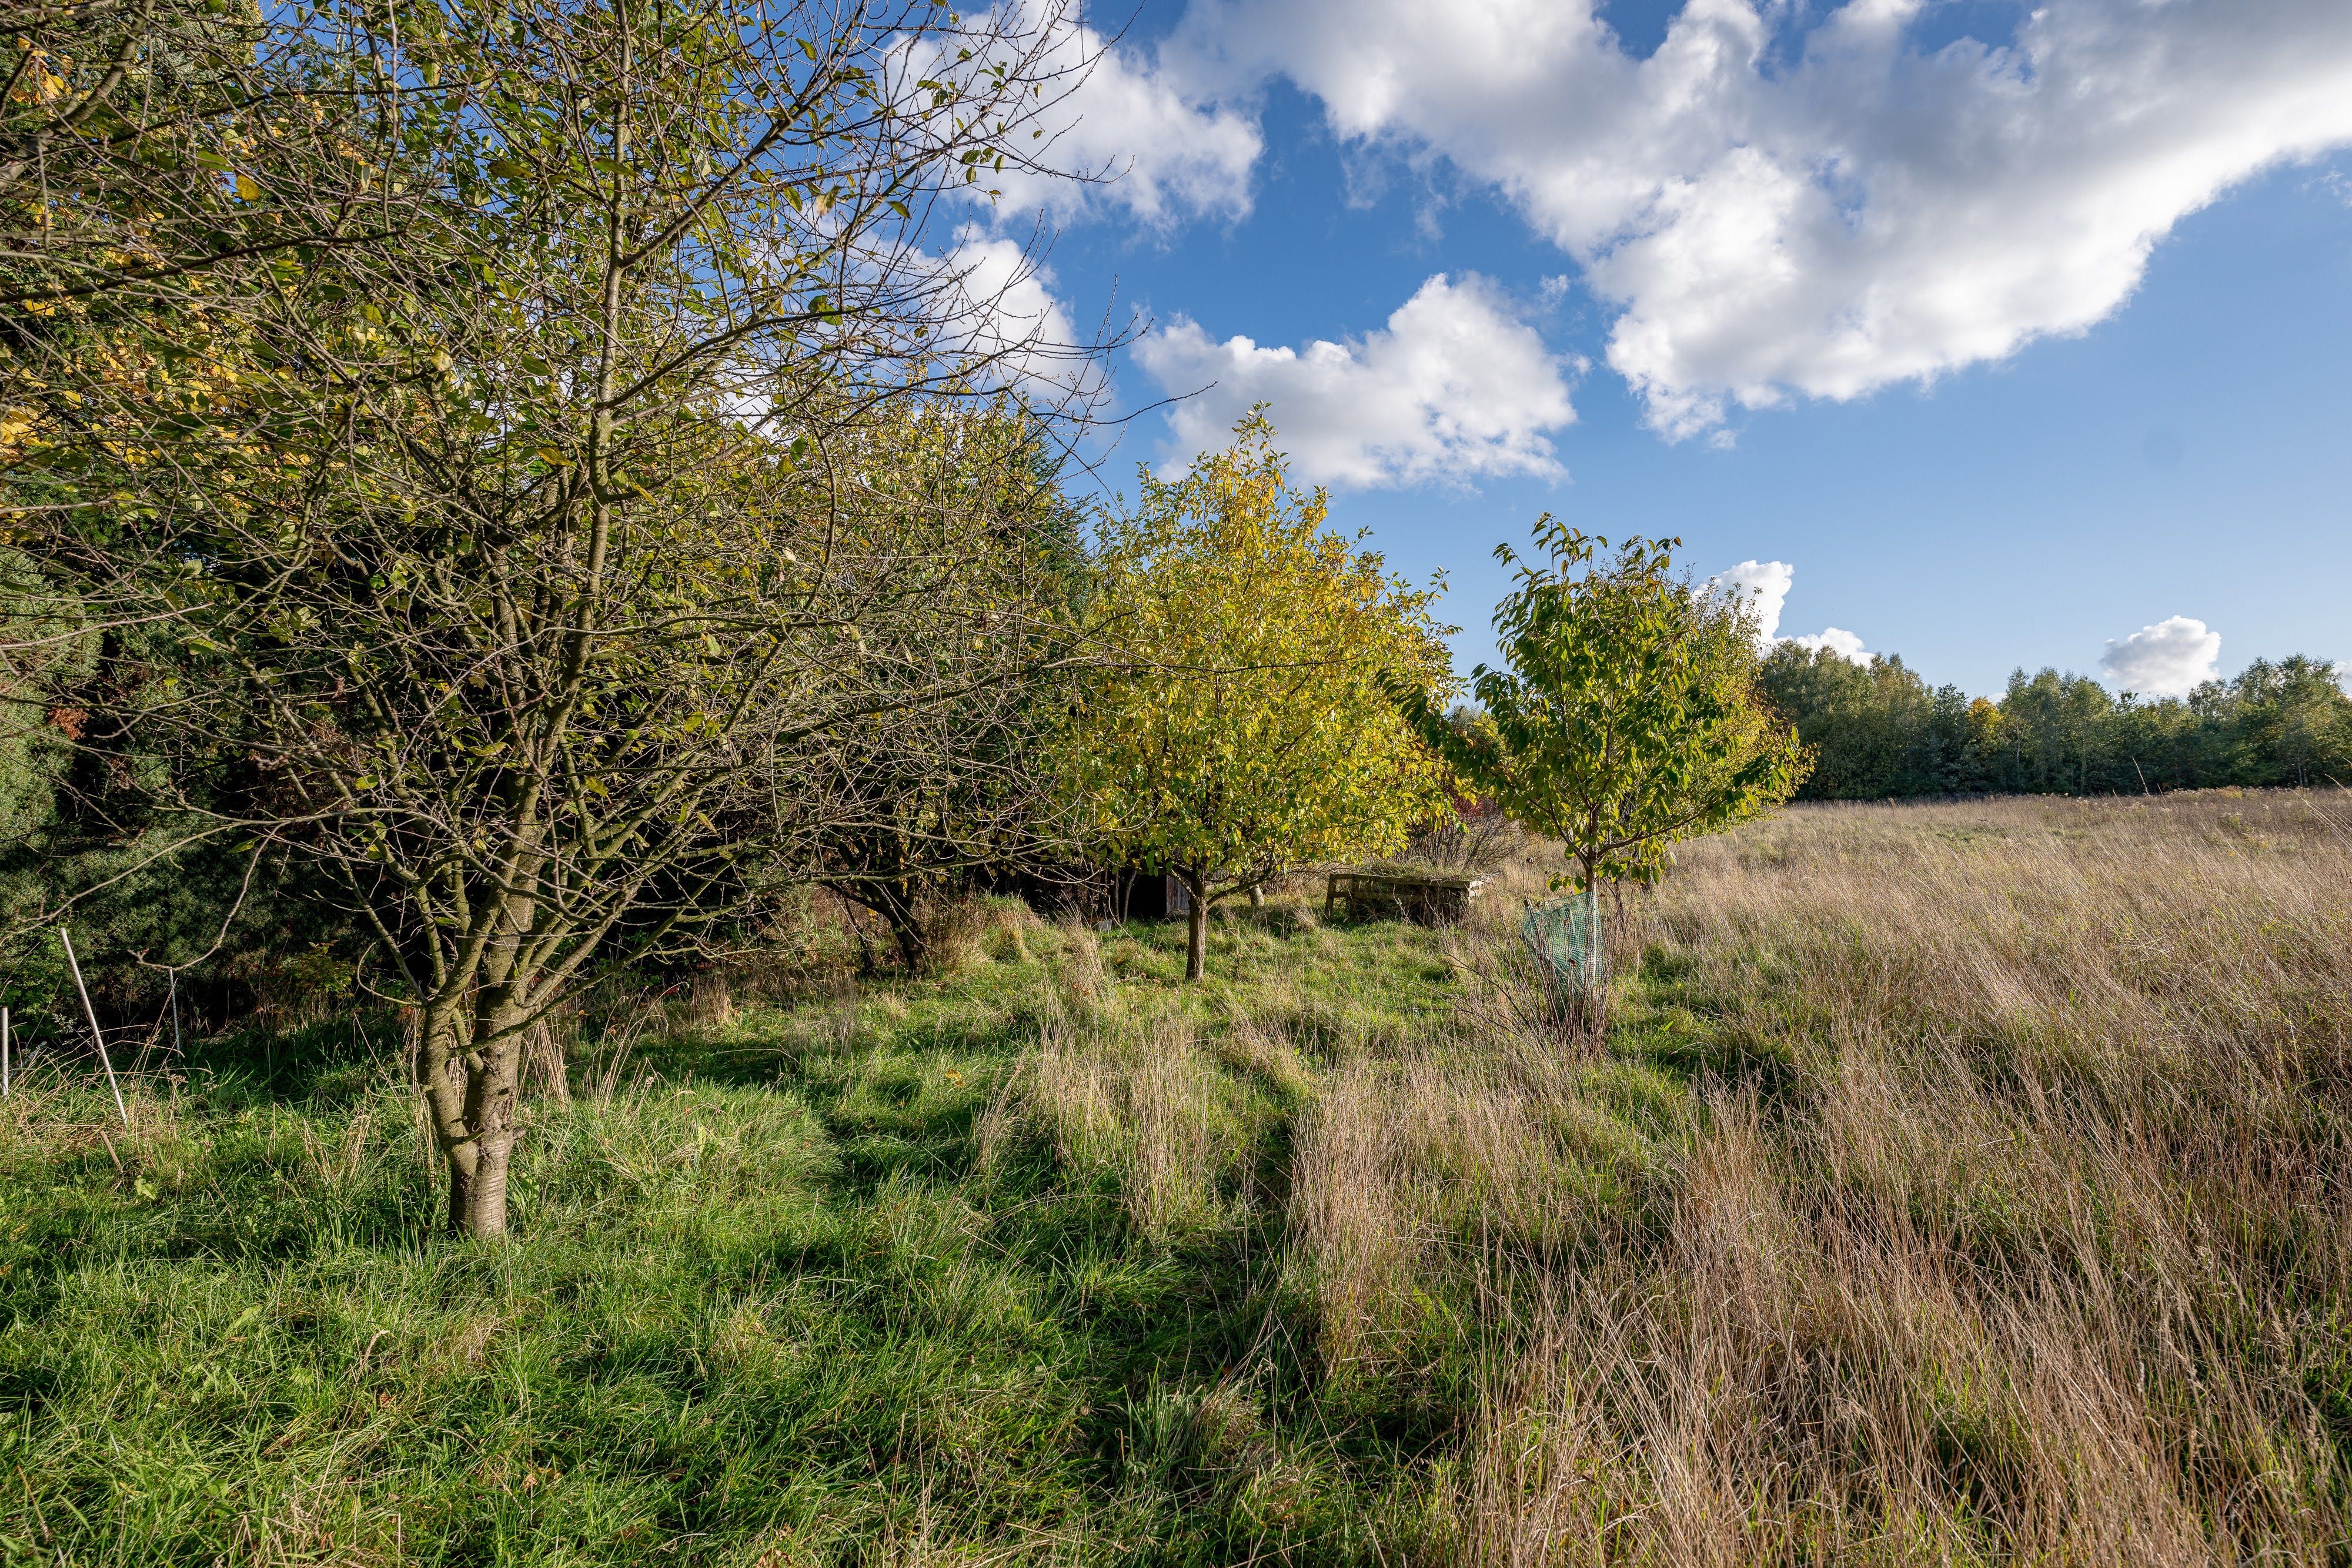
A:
{"points": [[1878, 731]]}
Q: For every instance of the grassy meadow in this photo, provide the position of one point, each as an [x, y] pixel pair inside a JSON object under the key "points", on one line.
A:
{"points": [[1956, 1184]]}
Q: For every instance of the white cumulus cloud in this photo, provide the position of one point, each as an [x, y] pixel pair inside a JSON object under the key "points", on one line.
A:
{"points": [[1765, 585], [1846, 645], [1771, 215], [1455, 388], [1116, 130], [2166, 659], [999, 308]]}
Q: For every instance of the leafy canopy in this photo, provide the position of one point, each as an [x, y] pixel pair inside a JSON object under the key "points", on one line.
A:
{"points": [[1628, 717], [1243, 729], [517, 515]]}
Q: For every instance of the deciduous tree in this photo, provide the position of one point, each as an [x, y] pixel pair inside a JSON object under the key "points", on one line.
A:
{"points": [[1243, 730], [889, 807], [522, 553], [1626, 716]]}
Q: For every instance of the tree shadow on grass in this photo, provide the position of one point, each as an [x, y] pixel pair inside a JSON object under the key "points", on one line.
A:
{"points": [[806, 1257]]}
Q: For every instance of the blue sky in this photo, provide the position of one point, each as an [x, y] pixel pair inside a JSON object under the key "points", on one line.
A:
{"points": [[2130, 399]]}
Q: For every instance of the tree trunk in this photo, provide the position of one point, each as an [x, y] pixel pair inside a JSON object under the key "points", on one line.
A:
{"points": [[467, 1070], [493, 1095], [486, 1196], [897, 904], [907, 928], [866, 967], [1592, 979], [1196, 936], [1588, 999], [441, 1080], [1257, 896]]}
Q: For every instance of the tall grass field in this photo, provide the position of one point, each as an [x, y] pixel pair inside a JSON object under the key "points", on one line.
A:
{"points": [[1955, 1184]]}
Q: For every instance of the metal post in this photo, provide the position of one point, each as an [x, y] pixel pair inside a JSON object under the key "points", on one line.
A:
{"points": [[96, 1038], [1590, 980], [3, 1052]]}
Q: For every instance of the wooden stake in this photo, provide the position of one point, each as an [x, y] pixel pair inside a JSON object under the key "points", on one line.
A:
{"points": [[96, 1038]]}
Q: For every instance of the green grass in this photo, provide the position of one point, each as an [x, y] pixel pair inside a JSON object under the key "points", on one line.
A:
{"points": [[1969, 1196], [793, 1294]]}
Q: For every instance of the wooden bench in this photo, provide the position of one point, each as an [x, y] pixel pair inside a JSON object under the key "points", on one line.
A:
{"points": [[1432, 900]]}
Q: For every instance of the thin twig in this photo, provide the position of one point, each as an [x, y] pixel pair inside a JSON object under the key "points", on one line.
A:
{"points": [[96, 1038]]}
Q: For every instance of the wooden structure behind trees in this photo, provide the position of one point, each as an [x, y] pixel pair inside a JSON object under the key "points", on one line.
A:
{"points": [[1428, 898], [1118, 893]]}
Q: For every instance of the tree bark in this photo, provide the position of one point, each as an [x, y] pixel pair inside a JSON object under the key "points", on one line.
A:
{"points": [[896, 903], [492, 1098], [1196, 936], [467, 1072], [441, 1080], [1589, 1000], [486, 1204], [907, 927]]}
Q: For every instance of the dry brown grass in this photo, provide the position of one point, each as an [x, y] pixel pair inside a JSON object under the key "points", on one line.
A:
{"points": [[1142, 1102], [1085, 987], [967, 931], [2005, 1217]]}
